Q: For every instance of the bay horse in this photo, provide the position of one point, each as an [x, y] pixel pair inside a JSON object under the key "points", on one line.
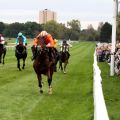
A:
{"points": [[63, 58], [44, 66], [2, 53], [21, 53]]}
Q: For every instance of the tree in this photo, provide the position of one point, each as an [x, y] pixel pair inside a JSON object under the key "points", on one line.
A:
{"points": [[13, 29], [56, 29], [51, 27], [106, 31], [74, 29], [32, 29], [118, 27], [2, 27]]}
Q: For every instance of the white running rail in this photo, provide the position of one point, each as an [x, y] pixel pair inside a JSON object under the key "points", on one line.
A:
{"points": [[100, 111]]}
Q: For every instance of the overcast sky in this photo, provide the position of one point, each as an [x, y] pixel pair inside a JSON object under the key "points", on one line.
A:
{"points": [[87, 11]]}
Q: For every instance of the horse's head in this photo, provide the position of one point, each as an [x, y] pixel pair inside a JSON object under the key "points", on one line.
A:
{"points": [[21, 49], [65, 48], [42, 52]]}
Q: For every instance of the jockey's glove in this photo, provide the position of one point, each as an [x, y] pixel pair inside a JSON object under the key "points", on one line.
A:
{"points": [[48, 45]]}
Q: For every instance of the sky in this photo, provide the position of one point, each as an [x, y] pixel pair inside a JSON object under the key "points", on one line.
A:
{"points": [[86, 11]]}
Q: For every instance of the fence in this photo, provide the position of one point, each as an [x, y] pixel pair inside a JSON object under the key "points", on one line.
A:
{"points": [[100, 111]]}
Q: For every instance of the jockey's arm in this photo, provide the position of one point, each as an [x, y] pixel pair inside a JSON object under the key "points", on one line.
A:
{"points": [[61, 47], [2, 41], [16, 41], [24, 40], [35, 42], [69, 45], [50, 41]]}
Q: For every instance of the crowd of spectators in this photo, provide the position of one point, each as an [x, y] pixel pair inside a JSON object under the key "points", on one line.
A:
{"points": [[103, 52]]}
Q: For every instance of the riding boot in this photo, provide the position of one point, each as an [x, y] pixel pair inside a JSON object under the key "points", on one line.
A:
{"points": [[15, 50], [51, 57], [34, 52], [55, 54], [68, 54], [26, 49]]}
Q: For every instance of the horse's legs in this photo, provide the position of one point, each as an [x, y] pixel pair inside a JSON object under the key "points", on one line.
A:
{"points": [[50, 73], [18, 64], [4, 57], [56, 61], [23, 63], [64, 70], [39, 82], [0, 58], [60, 65], [65, 65]]}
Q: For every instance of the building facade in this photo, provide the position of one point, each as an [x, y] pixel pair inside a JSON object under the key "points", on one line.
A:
{"points": [[46, 15]]}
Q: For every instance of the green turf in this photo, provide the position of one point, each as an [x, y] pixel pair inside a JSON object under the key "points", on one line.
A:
{"points": [[111, 90], [72, 97]]}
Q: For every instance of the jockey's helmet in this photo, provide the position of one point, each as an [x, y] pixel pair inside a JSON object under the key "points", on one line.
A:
{"points": [[19, 34], [43, 33], [64, 41]]}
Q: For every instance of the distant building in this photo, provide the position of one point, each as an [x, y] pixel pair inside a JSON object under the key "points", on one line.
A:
{"points": [[46, 15]]}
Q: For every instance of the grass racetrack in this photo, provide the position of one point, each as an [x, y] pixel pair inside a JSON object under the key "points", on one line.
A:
{"points": [[111, 90], [72, 97]]}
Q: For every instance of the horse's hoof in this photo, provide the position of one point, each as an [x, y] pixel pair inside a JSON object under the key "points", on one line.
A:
{"points": [[42, 83], [50, 91], [64, 72], [41, 91]]}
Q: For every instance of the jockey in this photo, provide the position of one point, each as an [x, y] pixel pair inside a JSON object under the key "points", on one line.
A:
{"points": [[2, 40], [67, 45], [45, 39], [21, 37]]}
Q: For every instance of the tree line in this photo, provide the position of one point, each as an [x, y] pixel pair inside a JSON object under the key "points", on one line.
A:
{"points": [[71, 30]]}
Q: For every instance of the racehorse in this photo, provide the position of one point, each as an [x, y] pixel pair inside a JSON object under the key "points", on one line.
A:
{"points": [[20, 53], [2, 53], [43, 66], [63, 58]]}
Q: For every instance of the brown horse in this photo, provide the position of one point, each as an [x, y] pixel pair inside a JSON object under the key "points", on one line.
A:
{"points": [[63, 58], [42, 65], [2, 53]]}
